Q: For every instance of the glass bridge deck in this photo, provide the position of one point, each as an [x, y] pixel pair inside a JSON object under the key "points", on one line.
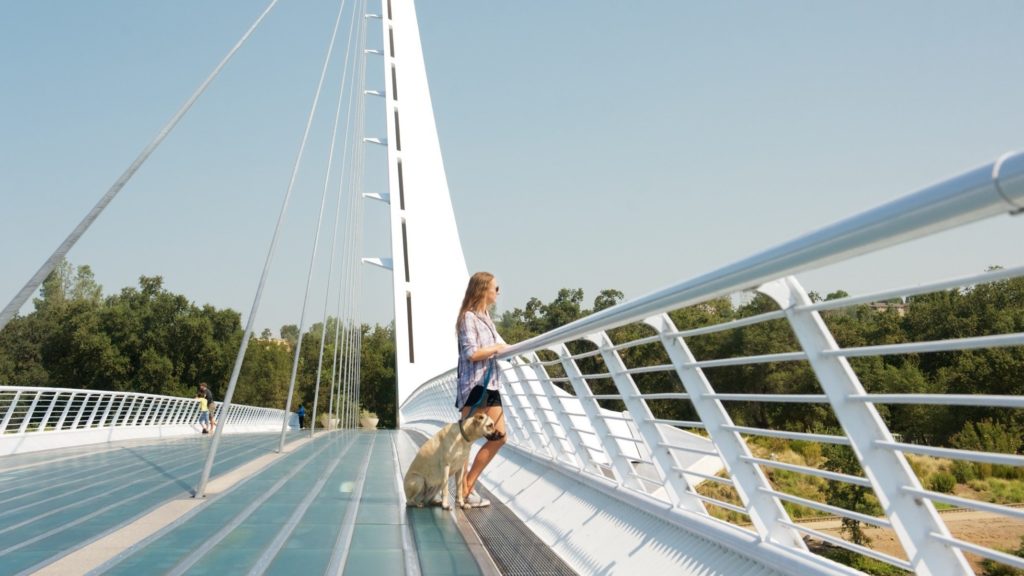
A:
{"points": [[330, 504]]}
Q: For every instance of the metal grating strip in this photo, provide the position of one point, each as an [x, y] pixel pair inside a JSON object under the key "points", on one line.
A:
{"points": [[514, 548]]}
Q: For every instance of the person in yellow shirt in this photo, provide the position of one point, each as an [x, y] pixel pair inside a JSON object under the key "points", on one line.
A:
{"points": [[204, 412], [210, 404]]}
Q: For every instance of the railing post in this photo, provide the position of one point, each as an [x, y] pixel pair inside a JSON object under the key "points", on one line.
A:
{"points": [[153, 412], [106, 411], [81, 410], [623, 470], [64, 413], [142, 407], [28, 415], [10, 412], [913, 519], [49, 412], [582, 457], [766, 512], [554, 445], [517, 415], [178, 415], [680, 493], [120, 408]]}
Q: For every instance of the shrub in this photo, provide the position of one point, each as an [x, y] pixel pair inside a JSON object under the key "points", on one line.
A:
{"points": [[964, 471], [1006, 491], [942, 482], [919, 467], [811, 451], [993, 568]]}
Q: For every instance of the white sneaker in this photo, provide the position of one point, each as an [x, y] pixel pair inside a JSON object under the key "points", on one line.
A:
{"points": [[474, 500]]}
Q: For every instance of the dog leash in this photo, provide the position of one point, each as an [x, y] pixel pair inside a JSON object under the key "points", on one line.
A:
{"points": [[480, 400], [486, 382]]}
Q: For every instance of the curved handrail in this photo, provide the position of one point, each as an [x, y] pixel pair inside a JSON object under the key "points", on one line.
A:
{"points": [[992, 189], [35, 418], [658, 460]]}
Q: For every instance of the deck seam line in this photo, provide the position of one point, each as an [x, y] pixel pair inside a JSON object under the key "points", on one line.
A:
{"points": [[285, 532], [77, 521], [411, 553], [175, 462], [95, 555], [190, 561], [474, 543], [339, 556]]}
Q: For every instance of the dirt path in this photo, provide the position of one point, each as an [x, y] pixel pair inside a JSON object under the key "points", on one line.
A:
{"points": [[982, 528]]}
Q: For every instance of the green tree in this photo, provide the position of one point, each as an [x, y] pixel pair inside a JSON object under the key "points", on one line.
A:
{"points": [[21, 356], [290, 332], [607, 299], [849, 496], [263, 380], [377, 373]]}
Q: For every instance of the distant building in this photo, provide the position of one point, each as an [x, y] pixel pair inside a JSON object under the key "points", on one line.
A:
{"points": [[899, 307], [275, 342]]}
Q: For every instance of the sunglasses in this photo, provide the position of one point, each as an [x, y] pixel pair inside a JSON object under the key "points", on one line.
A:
{"points": [[497, 289]]}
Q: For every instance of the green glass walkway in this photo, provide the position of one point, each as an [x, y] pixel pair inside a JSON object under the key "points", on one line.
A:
{"points": [[327, 505]]}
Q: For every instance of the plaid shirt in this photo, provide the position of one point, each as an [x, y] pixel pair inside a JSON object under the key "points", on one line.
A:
{"points": [[477, 332]]}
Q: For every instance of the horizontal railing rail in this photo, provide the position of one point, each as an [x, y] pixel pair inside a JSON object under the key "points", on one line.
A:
{"points": [[33, 418], [579, 398]]}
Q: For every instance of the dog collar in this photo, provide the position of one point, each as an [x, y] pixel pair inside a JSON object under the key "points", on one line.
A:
{"points": [[463, 432]]}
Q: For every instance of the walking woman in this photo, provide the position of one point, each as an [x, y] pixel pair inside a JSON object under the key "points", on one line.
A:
{"points": [[479, 342]]}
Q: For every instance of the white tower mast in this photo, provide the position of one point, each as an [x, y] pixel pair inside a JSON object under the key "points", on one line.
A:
{"points": [[427, 264]]}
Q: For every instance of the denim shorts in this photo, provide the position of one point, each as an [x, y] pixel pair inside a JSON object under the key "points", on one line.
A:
{"points": [[493, 397]]}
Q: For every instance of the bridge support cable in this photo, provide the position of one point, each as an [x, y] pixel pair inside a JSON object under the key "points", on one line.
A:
{"points": [[913, 520], [337, 212], [354, 268], [346, 295], [58, 255], [253, 313], [316, 243], [766, 512]]}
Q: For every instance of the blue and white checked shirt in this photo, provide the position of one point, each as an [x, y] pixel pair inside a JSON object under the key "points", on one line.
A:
{"points": [[477, 332]]}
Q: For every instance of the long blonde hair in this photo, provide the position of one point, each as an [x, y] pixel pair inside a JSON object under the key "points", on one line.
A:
{"points": [[476, 294]]}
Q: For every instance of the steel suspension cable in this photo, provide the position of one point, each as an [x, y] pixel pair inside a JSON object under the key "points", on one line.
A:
{"points": [[337, 216], [208, 466], [316, 245], [345, 294], [33, 283], [356, 350], [344, 288], [345, 308]]}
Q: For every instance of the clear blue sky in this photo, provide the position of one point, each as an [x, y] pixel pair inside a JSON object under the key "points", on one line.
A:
{"points": [[587, 144]]}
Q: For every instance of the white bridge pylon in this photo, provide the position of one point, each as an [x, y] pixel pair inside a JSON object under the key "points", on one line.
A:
{"points": [[427, 265]]}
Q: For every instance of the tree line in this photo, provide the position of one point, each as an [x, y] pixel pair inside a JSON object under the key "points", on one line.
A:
{"points": [[148, 339]]}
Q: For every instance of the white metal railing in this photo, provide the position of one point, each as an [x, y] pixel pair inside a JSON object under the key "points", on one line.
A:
{"points": [[33, 418], [553, 415]]}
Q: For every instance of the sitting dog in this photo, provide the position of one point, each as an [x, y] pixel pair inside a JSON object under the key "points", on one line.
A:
{"points": [[442, 457]]}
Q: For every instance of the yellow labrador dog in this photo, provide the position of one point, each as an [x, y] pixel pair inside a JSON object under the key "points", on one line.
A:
{"points": [[442, 457]]}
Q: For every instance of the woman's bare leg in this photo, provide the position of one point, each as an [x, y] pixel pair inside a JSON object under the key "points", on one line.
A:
{"points": [[489, 449]]}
